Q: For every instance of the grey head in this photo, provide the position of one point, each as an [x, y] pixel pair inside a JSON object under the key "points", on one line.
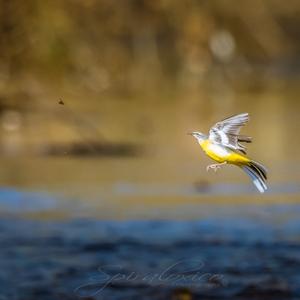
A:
{"points": [[198, 136]]}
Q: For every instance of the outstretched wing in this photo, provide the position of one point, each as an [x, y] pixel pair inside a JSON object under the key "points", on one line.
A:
{"points": [[226, 132]]}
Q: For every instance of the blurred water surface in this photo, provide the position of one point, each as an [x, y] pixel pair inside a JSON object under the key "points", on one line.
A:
{"points": [[98, 177], [235, 252], [167, 168]]}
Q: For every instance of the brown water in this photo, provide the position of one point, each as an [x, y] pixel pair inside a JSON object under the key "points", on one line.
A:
{"points": [[167, 170]]}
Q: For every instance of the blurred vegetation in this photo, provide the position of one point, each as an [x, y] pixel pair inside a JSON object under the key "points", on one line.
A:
{"points": [[96, 49], [123, 46]]}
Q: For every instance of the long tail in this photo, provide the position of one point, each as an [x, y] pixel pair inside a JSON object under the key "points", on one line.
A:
{"points": [[258, 174]]}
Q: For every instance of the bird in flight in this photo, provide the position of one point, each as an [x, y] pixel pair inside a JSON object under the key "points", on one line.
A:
{"points": [[224, 145]]}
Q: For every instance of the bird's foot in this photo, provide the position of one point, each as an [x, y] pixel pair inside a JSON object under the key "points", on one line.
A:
{"points": [[215, 167]]}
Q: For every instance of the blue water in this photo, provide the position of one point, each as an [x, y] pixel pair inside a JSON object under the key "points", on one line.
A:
{"points": [[230, 252], [214, 258]]}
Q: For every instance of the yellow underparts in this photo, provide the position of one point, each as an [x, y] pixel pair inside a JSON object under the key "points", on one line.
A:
{"points": [[224, 154]]}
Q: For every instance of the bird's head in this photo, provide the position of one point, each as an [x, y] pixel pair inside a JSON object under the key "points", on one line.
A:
{"points": [[198, 135]]}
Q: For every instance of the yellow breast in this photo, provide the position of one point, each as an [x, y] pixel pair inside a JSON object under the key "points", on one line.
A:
{"points": [[216, 152], [221, 154]]}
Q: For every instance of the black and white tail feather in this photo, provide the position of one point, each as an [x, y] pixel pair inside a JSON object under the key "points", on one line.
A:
{"points": [[227, 133], [258, 175]]}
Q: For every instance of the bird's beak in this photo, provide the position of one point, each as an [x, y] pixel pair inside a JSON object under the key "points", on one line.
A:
{"points": [[190, 133]]}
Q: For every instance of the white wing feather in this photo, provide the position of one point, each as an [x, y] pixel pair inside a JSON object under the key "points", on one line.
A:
{"points": [[226, 132]]}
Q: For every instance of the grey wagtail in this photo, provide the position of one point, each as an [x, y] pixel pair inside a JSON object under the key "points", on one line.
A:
{"points": [[223, 144]]}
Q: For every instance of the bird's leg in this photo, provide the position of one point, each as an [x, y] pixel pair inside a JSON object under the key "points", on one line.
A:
{"points": [[215, 167]]}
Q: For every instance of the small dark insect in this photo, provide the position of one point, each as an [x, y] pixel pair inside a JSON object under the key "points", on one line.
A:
{"points": [[61, 102]]}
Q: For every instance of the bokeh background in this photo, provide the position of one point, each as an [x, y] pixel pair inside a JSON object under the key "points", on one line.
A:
{"points": [[96, 168]]}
